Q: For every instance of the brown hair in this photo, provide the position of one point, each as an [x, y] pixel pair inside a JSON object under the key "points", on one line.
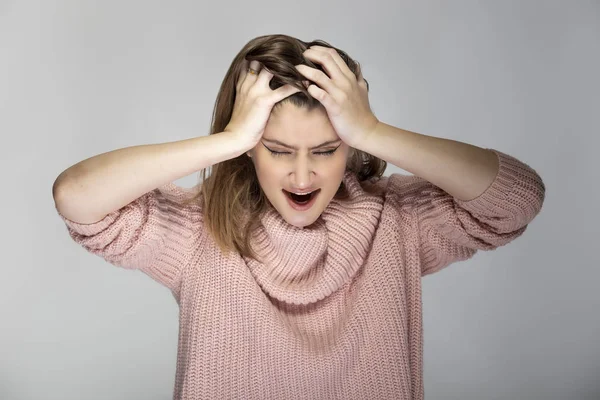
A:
{"points": [[232, 199]]}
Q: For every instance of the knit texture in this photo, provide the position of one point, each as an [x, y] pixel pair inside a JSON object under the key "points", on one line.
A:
{"points": [[328, 312]]}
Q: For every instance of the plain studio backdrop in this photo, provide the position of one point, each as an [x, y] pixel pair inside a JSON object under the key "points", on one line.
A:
{"points": [[82, 77]]}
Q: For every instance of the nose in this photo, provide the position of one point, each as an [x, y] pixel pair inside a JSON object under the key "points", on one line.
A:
{"points": [[301, 173]]}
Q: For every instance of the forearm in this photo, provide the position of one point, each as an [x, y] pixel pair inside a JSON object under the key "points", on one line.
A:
{"points": [[97, 186], [462, 170]]}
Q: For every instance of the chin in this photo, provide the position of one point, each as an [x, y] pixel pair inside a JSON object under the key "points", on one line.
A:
{"points": [[301, 224], [299, 220]]}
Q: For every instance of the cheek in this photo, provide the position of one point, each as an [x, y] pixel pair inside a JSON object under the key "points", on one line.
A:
{"points": [[266, 170], [339, 166], [260, 164]]}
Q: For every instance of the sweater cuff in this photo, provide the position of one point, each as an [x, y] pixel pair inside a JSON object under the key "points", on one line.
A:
{"points": [[169, 190], [509, 173], [93, 228]]}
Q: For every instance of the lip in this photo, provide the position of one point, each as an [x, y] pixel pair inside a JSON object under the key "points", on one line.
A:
{"points": [[302, 207], [302, 191]]}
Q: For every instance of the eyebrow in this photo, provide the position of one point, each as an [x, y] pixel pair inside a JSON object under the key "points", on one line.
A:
{"points": [[295, 148]]}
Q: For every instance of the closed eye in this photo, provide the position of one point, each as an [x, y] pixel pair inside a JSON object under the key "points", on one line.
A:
{"points": [[321, 153], [326, 153]]}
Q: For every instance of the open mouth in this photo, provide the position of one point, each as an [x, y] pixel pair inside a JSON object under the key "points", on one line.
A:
{"points": [[301, 199]]}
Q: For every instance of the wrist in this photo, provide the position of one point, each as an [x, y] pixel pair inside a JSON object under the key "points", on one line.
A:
{"points": [[242, 141], [363, 140]]}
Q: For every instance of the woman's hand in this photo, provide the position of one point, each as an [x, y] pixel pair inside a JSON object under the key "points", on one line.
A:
{"points": [[343, 95], [254, 101]]}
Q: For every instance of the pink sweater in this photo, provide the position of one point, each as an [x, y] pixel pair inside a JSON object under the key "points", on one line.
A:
{"points": [[335, 311]]}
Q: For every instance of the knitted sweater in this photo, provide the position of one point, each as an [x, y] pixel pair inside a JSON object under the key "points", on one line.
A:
{"points": [[334, 312]]}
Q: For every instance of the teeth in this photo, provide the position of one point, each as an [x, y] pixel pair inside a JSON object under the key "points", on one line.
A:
{"points": [[302, 194]]}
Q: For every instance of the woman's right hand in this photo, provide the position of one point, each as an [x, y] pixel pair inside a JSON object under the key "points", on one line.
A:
{"points": [[254, 101]]}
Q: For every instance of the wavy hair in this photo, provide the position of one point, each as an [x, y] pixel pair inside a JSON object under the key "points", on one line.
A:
{"points": [[231, 197]]}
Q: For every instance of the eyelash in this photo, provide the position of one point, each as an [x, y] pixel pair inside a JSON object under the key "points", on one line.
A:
{"points": [[322, 153]]}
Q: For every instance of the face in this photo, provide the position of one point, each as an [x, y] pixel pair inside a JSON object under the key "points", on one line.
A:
{"points": [[299, 152]]}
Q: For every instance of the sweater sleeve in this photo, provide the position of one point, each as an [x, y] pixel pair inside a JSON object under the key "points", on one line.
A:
{"points": [[452, 230], [156, 233]]}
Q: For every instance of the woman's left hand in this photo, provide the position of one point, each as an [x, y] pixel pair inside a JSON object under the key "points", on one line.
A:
{"points": [[343, 95]]}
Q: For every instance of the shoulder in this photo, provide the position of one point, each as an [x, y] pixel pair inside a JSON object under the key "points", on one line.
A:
{"points": [[396, 186], [179, 194], [405, 193]]}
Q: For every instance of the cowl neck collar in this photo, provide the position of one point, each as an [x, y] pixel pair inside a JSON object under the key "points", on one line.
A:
{"points": [[305, 265]]}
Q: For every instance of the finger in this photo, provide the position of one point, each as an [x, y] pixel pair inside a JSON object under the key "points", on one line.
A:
{"points": [[326, 61], [328, 53], [283, 92], [242, 77], [264, 77], [323, 97], [361, 80], [254, 68], [318, 77], [251, 74]]}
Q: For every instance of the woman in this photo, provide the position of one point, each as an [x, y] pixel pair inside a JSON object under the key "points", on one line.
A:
{"points": [[297, 266]]}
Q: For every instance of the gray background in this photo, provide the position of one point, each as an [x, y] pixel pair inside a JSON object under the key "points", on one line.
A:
{"points": [[78, 78]]}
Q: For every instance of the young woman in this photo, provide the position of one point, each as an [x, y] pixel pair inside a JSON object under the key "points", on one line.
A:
{"points": [[296, 266]]}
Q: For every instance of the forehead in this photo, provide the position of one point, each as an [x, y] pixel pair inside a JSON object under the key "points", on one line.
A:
{"points": [[297, 126]]}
